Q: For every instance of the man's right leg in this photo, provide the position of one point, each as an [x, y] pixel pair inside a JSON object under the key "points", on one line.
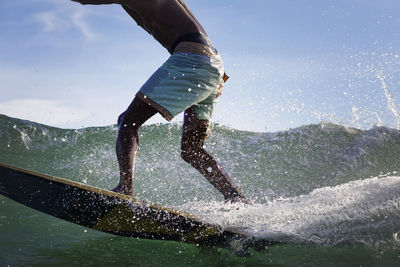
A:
{"points": [[127, 145], [193, 152]]}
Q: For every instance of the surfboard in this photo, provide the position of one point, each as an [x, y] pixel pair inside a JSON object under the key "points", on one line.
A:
{"points": [[108, 211]]}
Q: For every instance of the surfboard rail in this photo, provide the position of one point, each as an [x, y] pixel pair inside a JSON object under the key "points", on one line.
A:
{"points": [[105, 210]]}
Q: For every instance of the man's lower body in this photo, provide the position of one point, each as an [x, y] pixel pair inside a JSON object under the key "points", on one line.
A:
{"points": [[186, 82]]}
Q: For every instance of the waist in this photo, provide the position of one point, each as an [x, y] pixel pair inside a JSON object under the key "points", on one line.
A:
{"points": [[194, 42], [195, 48]]}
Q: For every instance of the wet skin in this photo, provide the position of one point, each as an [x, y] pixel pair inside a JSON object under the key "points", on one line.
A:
{"points": [[192, 149], [165, 20]]}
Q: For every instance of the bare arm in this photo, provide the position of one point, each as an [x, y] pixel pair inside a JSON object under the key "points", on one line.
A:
{"points": [[99, 2]]}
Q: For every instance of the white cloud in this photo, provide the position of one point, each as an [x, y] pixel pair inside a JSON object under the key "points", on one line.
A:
{"points": [[49, 112], [51, 21], [63, 18], [78, 18]]}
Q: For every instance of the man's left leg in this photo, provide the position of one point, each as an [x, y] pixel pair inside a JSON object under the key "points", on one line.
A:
{"points": [[193, 136], [127, 145]]}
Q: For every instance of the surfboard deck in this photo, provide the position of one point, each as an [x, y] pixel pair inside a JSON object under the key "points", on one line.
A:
{"points": [[108, 211]]}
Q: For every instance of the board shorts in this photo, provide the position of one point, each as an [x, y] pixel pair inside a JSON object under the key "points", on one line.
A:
{"points": [[185, 80]]}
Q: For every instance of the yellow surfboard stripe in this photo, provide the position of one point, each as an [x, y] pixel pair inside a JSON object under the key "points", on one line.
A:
{"points": [[123, 219]]}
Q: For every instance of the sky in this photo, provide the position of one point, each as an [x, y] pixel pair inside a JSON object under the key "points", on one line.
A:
{"points": [[291, 62]]}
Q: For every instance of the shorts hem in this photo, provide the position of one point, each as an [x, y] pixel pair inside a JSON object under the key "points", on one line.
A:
{"points": [[164, 112]]}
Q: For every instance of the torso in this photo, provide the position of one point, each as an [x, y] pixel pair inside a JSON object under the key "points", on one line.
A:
{"points": [[165, 20]]}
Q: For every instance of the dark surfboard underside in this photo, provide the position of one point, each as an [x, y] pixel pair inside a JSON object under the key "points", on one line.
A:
{"points": [[105, 210]]}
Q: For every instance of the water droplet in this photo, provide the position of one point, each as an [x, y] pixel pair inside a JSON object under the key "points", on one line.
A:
{"points": [[396, 236]]}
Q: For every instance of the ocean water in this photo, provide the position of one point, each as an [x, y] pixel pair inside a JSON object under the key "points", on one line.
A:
{"points": [[329, 193]]}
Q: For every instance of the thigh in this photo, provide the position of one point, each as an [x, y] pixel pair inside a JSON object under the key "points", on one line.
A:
{"points": [[137, 113], [205, 109], [194, 131]]}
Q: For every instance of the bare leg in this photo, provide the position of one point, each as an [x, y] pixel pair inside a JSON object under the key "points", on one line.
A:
{"points": [[193, 152], [127, 145]]}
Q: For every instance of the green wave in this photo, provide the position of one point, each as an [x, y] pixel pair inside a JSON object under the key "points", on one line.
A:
{"points": [[265, 165]]}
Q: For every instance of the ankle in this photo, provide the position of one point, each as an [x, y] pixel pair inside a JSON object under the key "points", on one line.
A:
{"points": [[233, 194]]}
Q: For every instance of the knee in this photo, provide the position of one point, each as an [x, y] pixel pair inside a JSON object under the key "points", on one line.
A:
{"points": [[186, 155], [120, 118], [124, 122], [191, 153]]}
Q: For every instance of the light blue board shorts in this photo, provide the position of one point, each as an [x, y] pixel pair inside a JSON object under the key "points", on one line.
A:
{"points": [[185, 80]]}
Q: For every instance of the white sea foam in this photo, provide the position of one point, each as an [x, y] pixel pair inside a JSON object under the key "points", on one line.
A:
{"points": [[356, 212]]}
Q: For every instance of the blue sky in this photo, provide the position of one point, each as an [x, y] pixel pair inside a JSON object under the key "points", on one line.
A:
{"points": [[291, 62]]}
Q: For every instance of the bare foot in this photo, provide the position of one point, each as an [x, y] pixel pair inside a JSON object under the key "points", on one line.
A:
{"points": [[235, 196], [123, 191], [239, 199]]}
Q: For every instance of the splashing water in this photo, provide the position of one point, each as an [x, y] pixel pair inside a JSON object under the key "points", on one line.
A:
{"points": [[363, 211], [315, 186], [391, 105]]}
